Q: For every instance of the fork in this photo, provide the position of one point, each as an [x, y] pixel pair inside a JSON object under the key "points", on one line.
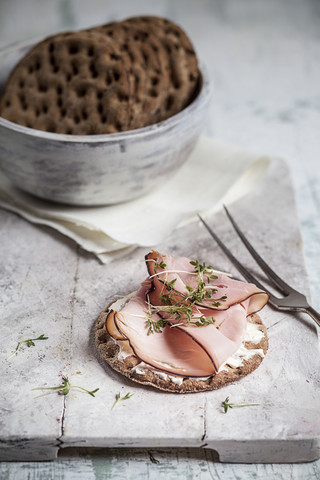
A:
{"points": [[292, 300]]}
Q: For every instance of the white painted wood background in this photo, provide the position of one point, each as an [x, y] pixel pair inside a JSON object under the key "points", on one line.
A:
{"points": [[264, 59]]}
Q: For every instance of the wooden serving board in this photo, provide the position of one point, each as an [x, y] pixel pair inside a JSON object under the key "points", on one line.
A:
{"points": [[50, 287]]}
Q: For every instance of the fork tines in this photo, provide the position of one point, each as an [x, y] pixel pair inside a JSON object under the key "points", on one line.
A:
{"points": [[292, 299]]}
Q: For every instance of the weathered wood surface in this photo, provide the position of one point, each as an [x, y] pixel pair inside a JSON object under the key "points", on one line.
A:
{"points": [[55, 290], [262, 58]]}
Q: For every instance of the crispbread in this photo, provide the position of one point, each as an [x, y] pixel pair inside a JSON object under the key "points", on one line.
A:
{"points": [[184, 70], [149, 67], [106, 79], [74, 83], [108, 351]]}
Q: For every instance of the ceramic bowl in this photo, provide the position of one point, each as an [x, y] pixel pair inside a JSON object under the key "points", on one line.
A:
{"points": [[97, 169]]}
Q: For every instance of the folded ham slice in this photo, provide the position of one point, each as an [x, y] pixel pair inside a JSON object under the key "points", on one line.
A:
{"points": [[183, 348], [224, 291]]}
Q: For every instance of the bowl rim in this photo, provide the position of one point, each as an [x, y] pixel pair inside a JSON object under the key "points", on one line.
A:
{"points": [[201, 98]]}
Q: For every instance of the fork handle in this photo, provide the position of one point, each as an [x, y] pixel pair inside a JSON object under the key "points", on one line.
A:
{"points": [[313, 314]]}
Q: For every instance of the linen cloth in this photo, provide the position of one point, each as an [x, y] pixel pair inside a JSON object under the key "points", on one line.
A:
{"points": [[216, 173]]}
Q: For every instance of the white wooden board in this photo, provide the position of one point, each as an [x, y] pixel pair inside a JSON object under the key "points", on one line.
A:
{"points": [[48, 286]]}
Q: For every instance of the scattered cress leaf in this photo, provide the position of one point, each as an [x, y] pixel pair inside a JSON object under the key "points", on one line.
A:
{"points": [[153, 460], [226, 404], [119, 398], [29, 342], [65, 387]]}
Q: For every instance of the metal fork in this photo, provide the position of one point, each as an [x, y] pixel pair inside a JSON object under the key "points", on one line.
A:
{"points": [[292, 300]]}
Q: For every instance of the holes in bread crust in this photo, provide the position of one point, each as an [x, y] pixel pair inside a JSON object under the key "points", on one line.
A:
{"points": [[169, 102], [114, 56], [172, 31], [93, 70], [153, 92], [175, 80], [108, 79], [55, 67], [75, 68], [23, 102], [112, 75], [145, 58], [123, 97], [42, 87], [116, 75], [81, 91], [73, 49], [118, 126]]}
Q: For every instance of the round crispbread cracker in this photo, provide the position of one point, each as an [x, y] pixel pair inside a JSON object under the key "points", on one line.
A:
{"points": [[108, 351], [106, 79], [149, 68], [72, 83], [184, 70]]}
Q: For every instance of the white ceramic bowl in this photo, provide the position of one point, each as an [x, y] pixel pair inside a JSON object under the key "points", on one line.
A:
{"points": [[97, 169]]}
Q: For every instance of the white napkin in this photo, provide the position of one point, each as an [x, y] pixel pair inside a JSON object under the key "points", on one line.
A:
{"points": [[215, 174]]}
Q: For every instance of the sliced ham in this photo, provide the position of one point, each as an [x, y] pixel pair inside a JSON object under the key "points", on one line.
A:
{"points": [[224, 291], [172, 351], [182, 348]]}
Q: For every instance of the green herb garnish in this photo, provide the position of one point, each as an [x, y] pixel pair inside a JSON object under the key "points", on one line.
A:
{"points": [[119, 398], [184, 309], [65, 387], [226, 404], [29, 342], [153, 460]]}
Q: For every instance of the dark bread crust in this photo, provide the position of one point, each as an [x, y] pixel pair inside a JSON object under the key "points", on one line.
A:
{"points": [[60, 86], [149, 69], [183, 63], [106, 79], [108, 350]]}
